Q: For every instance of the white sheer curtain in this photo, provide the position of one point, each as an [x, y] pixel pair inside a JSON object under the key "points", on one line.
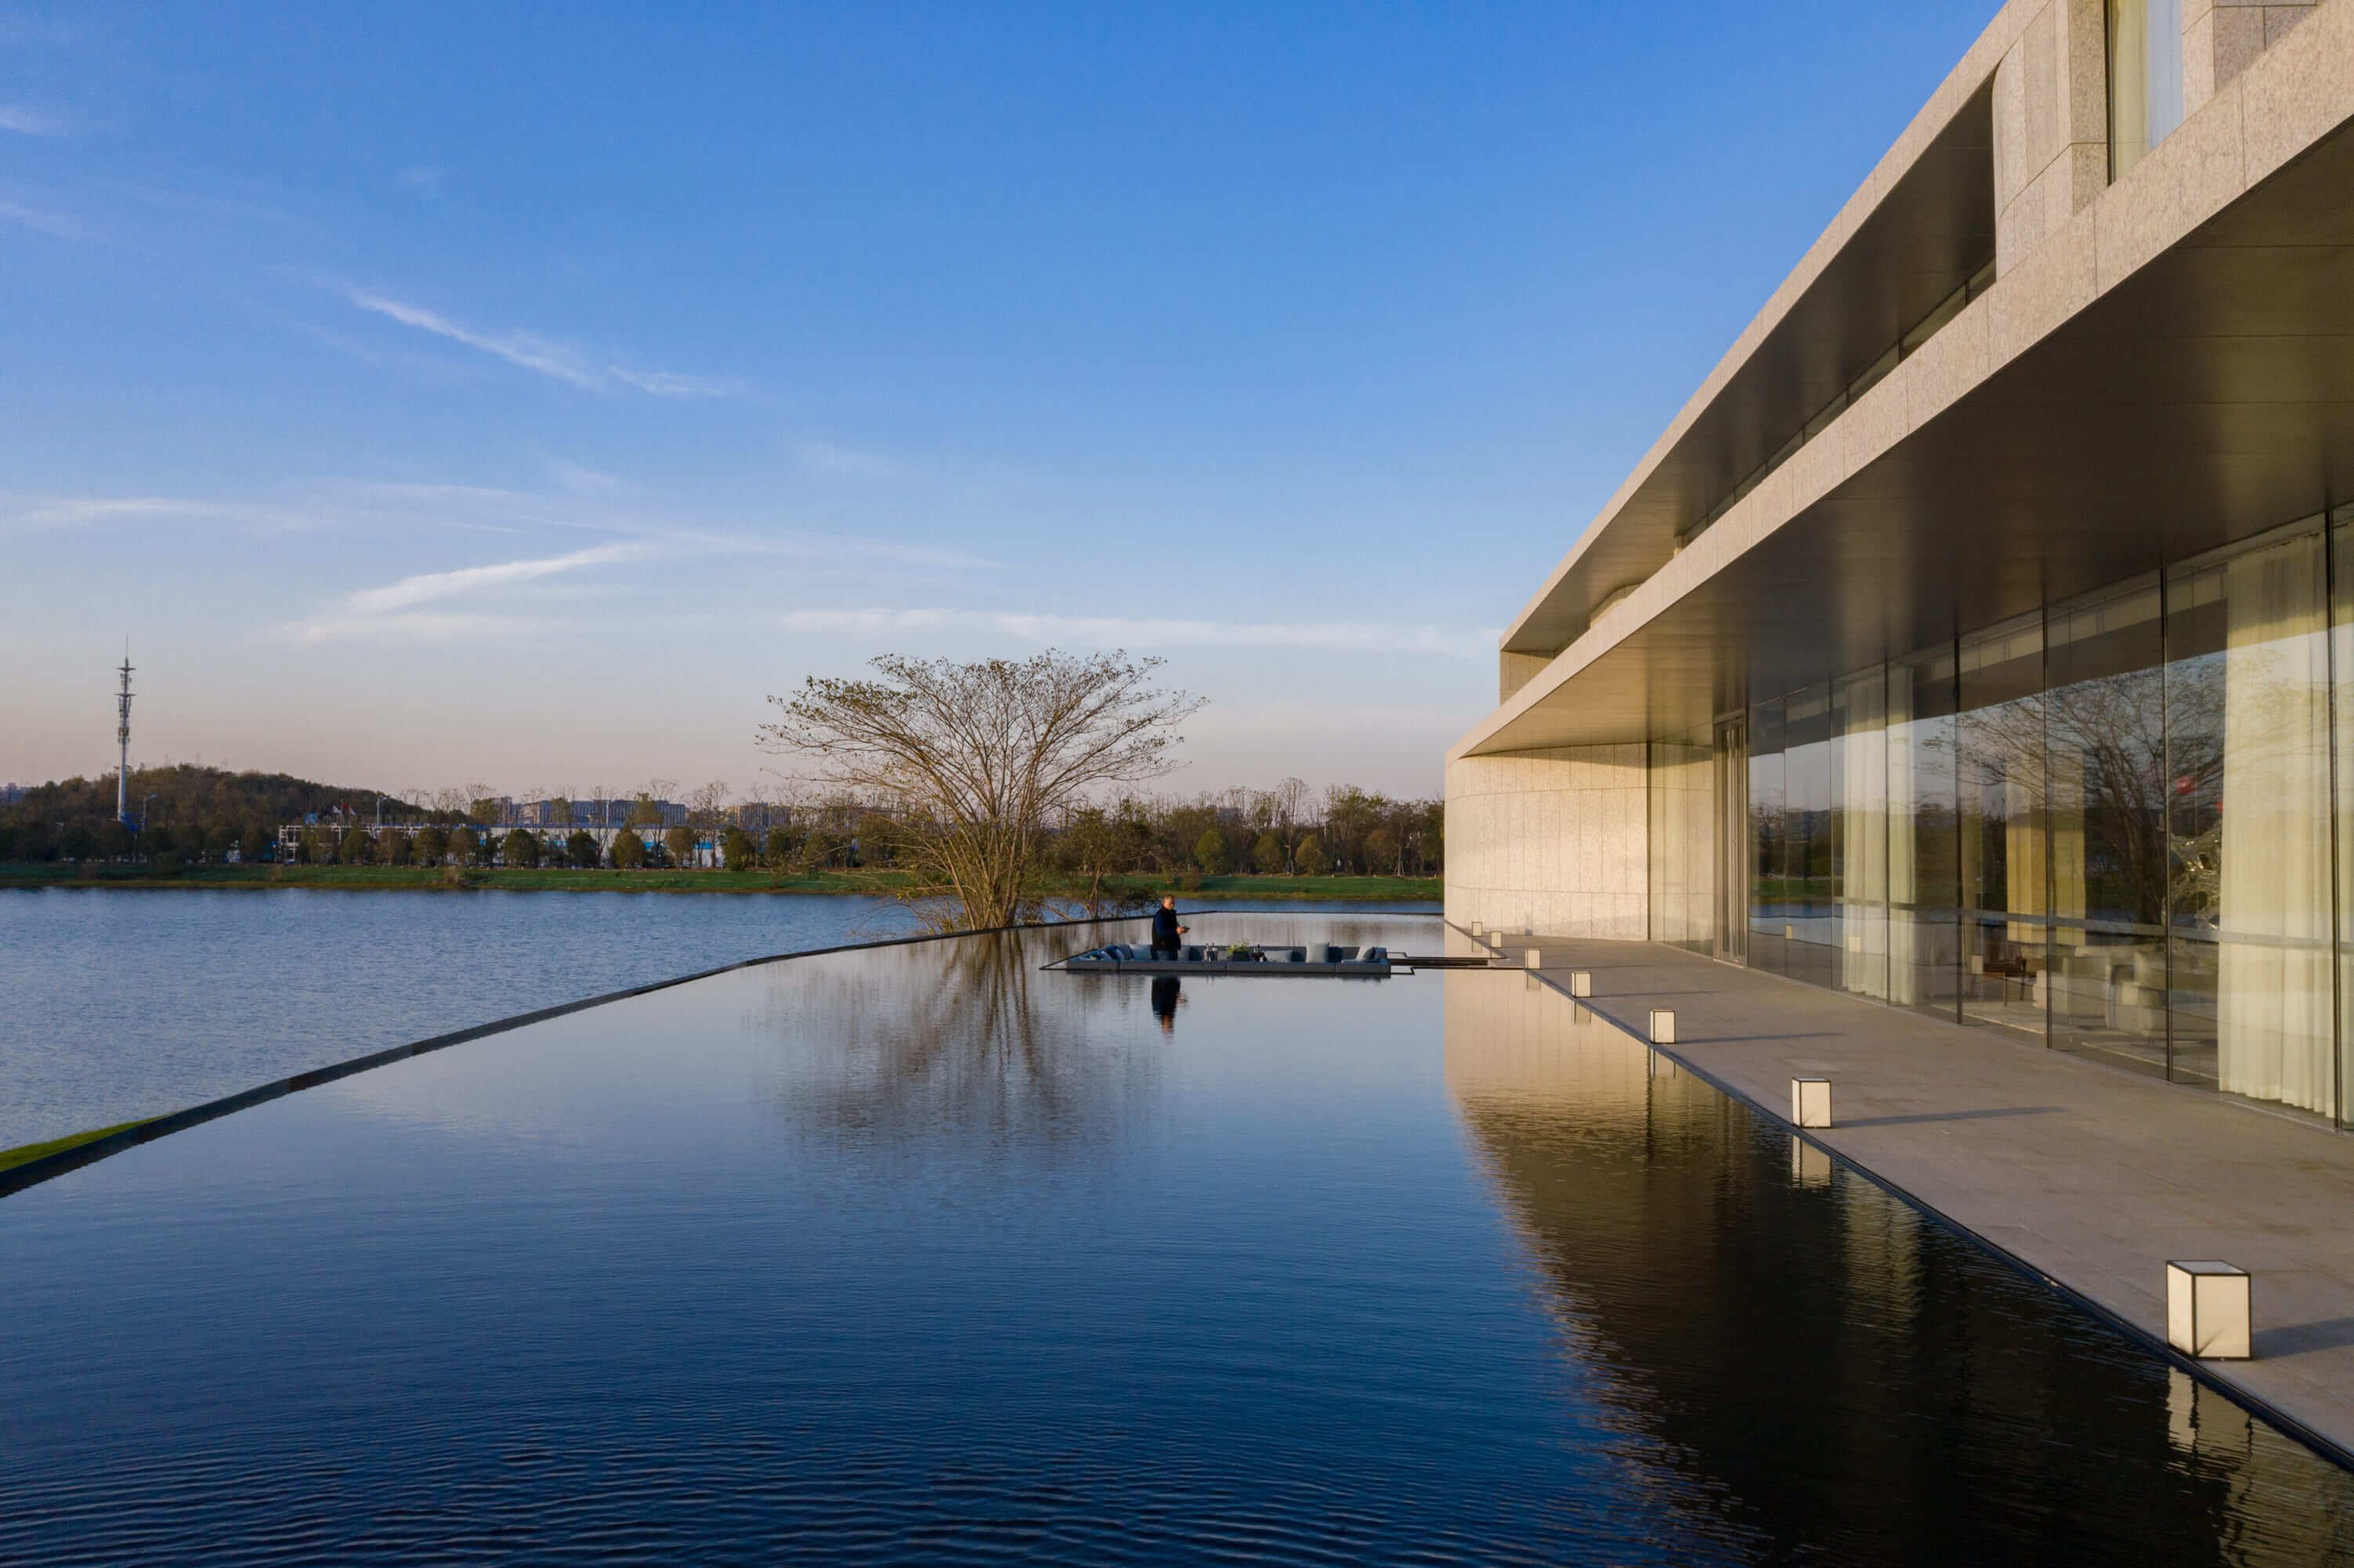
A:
{"points": [[2274, 1005], [2144, 78], [1862, 784], [1904, 937], [2164, 76]]}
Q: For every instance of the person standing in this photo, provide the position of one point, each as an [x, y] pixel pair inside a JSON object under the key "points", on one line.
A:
{"points": [[1165, 930]]}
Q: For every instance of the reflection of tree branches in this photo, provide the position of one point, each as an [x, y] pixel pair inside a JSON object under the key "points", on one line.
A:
{"points": [[949, 1042], [2108, 760]]}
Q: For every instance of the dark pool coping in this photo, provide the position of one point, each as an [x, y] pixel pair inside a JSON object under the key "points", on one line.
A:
{"points": [[2206, 1376]]}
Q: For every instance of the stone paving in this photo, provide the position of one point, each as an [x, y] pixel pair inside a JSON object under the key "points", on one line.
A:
{"points": [[2088, 1173]]}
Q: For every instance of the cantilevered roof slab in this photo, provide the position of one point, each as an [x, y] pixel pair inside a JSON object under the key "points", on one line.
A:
{"points": [[2113, 403], [1934, 230]]}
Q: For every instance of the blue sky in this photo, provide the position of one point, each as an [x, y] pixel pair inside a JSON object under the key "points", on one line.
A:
{"points": [[518, 395]]}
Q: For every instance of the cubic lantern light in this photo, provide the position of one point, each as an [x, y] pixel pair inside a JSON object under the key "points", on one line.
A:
{"points": [[1810, 1102], [2207, 1313]]}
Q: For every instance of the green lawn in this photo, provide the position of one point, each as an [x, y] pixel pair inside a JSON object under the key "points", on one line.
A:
{"points": [[11, 1157], [58, 874]]}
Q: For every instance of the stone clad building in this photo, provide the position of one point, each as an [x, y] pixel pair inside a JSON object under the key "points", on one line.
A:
{"points": [[1979, 638]]}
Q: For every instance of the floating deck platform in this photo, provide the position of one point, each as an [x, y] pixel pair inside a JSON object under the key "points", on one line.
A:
{"points": [[1136, 959]]}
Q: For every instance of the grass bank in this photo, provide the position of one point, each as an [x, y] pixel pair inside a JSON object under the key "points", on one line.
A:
{"points": [[11, 1157], [884, 884]]}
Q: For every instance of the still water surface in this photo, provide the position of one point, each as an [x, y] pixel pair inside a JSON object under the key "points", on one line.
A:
{"points": [[918, 1254], [119, 1003], [124, 1003]]}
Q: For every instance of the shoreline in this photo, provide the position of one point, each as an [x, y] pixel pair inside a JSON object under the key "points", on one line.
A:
{"points": [[502, 879]]}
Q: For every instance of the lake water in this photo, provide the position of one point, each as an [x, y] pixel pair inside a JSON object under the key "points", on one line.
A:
{"points": [[122, 1003], [920, 1255]]}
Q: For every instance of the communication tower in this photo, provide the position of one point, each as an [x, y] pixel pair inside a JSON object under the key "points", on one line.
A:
{"points": [[123, 738]]}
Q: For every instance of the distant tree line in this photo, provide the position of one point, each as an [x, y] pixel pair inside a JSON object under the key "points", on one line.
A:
{"points": [[202, 815], [1284, 831]]}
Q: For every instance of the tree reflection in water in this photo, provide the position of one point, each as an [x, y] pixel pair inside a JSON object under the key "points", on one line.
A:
{"points": [[942, 1044]]}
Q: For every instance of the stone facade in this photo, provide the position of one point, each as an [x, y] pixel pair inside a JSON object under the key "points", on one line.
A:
{"points": [[2050, 125], [1550, 841]]}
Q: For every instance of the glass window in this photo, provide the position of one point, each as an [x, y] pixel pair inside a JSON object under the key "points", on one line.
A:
{"points": [[1734, 858], [2144, 78], [1809, 916], [1768, 876], [2247, 756], [2000, 810], [2342, 672], [1922, 857], [2104, 741], [1859, 828]]}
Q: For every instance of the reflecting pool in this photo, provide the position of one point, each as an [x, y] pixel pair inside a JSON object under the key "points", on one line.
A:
{"points": [[917, 1254]]}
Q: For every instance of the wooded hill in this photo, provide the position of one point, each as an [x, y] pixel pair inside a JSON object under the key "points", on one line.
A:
{"points": [[194, 804]]}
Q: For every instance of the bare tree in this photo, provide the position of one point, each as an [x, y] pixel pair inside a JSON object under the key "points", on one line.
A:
{"points": [[981, 757], [708, 804]]}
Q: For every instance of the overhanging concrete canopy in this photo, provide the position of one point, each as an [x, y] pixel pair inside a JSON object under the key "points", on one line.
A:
{"points": [[2205, 397], [1924, 240]]}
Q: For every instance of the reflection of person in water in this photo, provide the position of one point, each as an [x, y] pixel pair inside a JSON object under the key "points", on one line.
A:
{"points": [[1164, 1001]]}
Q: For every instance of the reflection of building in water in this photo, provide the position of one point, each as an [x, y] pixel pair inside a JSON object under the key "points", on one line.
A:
{"points": [[1804, 1347]]}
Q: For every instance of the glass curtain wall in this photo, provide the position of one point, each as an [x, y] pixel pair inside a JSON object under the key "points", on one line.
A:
{"points": [[2342, 672], [1859, 834], [2247, 725], [1769, 882], [1809, 918], [2110, 825], [2104, 757], [1923, 852], [1733, 840], [1999, 810]]}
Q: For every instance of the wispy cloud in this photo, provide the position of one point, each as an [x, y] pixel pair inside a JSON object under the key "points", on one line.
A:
{"points": [[29, 121], [519, 348], [409, 592], [20, 514], [542, 356], [669, 383], [599, 506], [1117, 631], [56, 223], [420, 178], [826, 457], [392, 612], [800, 545], [582, 479]]}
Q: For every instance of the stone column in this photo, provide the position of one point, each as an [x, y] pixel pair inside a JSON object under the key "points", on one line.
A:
{"points": [[2050, 125], [2221, 37]]}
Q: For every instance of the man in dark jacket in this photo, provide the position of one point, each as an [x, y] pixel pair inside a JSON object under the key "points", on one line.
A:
{"points": [[1165, 930]]}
